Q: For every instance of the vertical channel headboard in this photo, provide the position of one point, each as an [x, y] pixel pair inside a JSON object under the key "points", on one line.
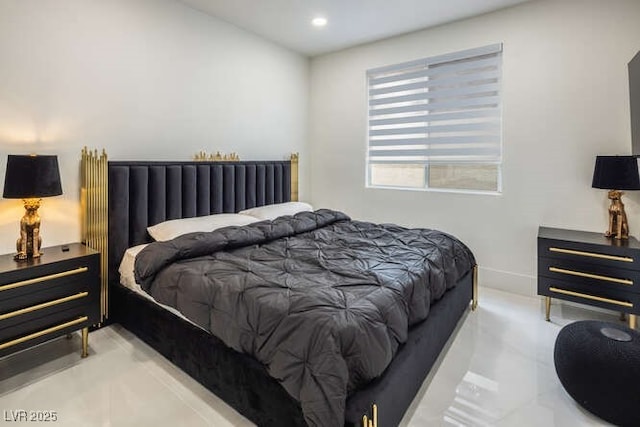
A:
{"points": [[144, 193]]}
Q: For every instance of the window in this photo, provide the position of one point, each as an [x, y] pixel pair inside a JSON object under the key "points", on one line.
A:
{"points": [[436, 123]]}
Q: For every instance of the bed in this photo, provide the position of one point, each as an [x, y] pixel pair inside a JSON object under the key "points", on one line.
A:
{"points": [[141, 194]]}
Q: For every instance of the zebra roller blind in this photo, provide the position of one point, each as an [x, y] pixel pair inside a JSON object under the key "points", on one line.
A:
{"points": [[438, 111]]}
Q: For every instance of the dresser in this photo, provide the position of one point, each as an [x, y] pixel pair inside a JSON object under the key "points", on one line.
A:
{"points": [[46, 297], [589, 268]]}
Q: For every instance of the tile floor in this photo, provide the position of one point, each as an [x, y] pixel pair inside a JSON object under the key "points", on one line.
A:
{"points": [[497, 371]]}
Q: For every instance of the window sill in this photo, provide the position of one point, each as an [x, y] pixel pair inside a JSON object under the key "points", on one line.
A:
{"points": [[437, 190]]}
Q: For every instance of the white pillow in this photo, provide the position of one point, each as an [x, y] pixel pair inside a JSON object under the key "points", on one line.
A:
{"points": [[279, 209], [127, 276], [177, 227]]}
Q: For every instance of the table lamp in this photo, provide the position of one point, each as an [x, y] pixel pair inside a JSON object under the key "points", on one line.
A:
{"points": [[30, 178], [615, 173]]}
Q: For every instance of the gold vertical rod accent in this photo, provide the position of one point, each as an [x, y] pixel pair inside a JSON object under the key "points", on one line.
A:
{"points": [[373, 421], [633, 321], [94, 200], [83, 196], [85, 342], [103, 231], [474, 290], [104, 212], [547, 305], [375, 415], [294, 176], [95, 212]]}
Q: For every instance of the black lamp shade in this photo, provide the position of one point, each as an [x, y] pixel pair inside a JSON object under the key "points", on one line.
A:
{"points": [[616, 173], [30, 177]]}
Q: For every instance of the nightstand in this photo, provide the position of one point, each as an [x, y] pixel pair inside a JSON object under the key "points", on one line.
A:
{"points": [[589, 268], [47, 297]]}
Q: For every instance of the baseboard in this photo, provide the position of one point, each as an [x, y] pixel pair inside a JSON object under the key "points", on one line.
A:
{"points": [[521, 284], [525, 285]]}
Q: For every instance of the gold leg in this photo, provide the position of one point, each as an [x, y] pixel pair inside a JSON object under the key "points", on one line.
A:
{"points": [[85, 342], [547, 303], [632, 321], [474, 301]]}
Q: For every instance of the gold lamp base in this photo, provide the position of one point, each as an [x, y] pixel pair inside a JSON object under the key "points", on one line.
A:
{"points": [[29, 242], [618, 225]]}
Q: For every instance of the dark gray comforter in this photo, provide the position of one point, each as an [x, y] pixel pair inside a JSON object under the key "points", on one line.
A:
{"points": [[321, 300]]}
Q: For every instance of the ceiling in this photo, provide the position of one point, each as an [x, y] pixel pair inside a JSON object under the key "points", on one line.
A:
{"points": [[350, 22]]}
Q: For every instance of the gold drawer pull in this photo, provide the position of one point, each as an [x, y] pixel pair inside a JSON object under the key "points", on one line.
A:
{"points": [[43, 278], [43, 305], [591, 297], [591, 276], [591, 254], [43, 332]]}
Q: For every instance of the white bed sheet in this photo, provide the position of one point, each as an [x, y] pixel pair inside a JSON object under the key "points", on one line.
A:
{"points": [[128, 280]]}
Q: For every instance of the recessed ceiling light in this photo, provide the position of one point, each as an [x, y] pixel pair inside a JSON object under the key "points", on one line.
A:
{"points": [[319, 21]]}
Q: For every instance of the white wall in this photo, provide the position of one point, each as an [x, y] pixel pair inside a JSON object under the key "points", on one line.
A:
{"points": [[565, 97], [145, 79]]}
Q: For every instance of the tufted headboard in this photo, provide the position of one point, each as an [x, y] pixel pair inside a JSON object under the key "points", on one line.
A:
{"points": [[142, 194]]}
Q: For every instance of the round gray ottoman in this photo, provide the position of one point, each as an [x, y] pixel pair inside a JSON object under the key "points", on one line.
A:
{"points": [[598, 363]]}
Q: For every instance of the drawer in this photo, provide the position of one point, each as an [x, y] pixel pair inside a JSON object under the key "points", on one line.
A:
{"points": [[612, 256], [43, 330], [603, 276], [25, 326], [48, 282], [46, 292], [583, 293], [24, 316]]}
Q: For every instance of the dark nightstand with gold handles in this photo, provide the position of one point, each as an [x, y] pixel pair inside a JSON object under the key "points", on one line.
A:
{"points": [[50, 296], [589, 268]]}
